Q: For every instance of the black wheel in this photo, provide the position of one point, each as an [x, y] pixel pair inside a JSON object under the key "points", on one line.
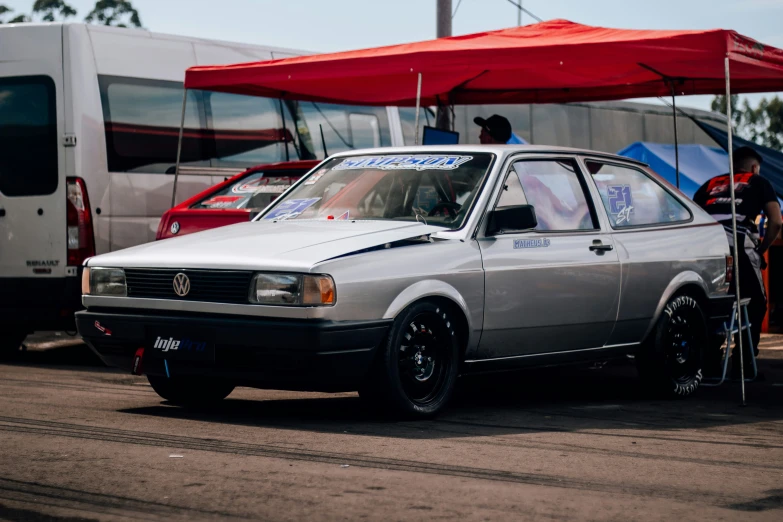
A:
{"points": [[190, 391], [670, 362], [415, 371], [11, 342]]}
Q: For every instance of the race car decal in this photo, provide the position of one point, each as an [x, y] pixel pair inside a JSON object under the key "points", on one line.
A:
{"points": [[531, 243], [416, 162], [620, 203], [221, 201], [256, 185], [291, 208]]}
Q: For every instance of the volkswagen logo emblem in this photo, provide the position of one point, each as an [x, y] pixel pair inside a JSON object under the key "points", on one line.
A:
{"points": [[175, 227], [181, 284]]}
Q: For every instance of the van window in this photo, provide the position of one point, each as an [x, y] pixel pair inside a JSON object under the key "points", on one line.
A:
{"points": [[142, 119], [248, 129], [28, 130]]}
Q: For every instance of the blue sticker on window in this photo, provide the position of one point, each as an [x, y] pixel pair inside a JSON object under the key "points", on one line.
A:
{"points": [[291, 208], [620, 203], [531, 243]]}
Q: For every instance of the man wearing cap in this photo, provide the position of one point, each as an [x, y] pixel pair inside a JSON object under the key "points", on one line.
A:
{"points": [[753, 194], [494, 130]]}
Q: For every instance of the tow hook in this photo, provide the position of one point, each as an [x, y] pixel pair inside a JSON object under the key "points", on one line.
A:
{"points": [[137, 360]]}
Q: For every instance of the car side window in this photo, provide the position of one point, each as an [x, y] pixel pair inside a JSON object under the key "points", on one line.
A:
{"points": [[556, 192], [632, 198], [512, 193]]}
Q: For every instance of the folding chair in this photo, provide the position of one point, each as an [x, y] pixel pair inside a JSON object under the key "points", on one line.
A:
{"points": [[729, 331]]}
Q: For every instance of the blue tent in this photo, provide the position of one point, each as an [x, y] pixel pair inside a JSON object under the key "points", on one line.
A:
{"points": [[698, 163], [772, 160]]}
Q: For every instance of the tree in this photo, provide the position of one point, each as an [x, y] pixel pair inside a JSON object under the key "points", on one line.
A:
{"points": [[15, 20], [762, 124], [49, 9], [118, 13]]}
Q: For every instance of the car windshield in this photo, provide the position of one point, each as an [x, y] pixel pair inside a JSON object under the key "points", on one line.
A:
{"points": [[254, 191], [437, 189]]}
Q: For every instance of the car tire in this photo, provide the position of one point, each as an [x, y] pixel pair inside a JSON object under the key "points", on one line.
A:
{"points": [[416, 369], [190, 391], [11, 341], [670, 361]]}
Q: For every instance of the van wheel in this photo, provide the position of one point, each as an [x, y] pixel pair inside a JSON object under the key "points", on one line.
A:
{"points": [[670, 362], [415, 372], [190, 391], [11, 341]]}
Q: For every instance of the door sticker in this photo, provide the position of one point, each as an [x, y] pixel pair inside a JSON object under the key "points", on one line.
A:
{"points": [[531, 243]]}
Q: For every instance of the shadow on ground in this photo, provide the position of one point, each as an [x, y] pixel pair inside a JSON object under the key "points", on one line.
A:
{"points": [[543, 400]]}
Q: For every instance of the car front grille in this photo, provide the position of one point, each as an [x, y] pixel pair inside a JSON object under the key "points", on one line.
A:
{"points": [[213, 286]]}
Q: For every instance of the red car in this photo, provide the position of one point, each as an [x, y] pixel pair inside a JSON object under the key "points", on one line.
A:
{"points": [[234, 200]]}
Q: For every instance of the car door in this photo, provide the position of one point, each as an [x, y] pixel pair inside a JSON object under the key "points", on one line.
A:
{"points": [[555, 288]]}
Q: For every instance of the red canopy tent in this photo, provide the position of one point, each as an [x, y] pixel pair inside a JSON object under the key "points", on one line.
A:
{"points": [[554, 61], [548, 62]]}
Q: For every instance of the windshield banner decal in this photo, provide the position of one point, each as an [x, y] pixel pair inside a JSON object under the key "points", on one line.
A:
{"points": [[417, 162], [291, 208]]}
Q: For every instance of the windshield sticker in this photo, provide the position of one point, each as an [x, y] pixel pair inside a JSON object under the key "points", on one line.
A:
{"points": [[345, 215], [291, 208], [620, 203], [314, 178], [257, 185], [221, 201], [420, 162], [531, 243]]}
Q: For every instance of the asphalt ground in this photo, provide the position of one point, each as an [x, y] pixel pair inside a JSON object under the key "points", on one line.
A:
{"points": [[84, 442]]}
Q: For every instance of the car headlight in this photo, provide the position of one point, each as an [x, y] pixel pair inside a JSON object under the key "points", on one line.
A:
{"points": [[104, 282], [292, 290]]}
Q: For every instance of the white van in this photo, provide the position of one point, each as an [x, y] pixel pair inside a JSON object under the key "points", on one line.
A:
{"points": [[89, 123]]}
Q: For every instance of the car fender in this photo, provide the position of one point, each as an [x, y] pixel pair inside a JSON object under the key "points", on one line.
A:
{"points": [[430, 288], [687, 277]]}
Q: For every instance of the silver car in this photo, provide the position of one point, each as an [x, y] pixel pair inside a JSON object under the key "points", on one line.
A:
{"points": [[393, 271]]}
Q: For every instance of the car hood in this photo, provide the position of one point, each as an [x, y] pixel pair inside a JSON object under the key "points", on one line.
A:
{"points": [[265, 245]]}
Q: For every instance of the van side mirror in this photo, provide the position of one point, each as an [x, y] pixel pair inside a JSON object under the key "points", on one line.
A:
{"points": [[511, 219]]}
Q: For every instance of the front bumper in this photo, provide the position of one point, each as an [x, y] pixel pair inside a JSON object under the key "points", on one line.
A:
{"points": [[307, 355]]}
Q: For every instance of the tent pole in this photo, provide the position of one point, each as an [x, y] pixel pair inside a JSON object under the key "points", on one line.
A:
{"points": [[676, 140], [179, 147], [418, 106], [734, 231]]}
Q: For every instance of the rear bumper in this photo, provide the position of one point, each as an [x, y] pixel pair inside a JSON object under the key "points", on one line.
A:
{"points": [[280, 354], [39, 304]]}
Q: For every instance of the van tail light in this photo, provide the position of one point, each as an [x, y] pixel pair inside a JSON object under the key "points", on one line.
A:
{"points": [[729, 269], [81, 237]]}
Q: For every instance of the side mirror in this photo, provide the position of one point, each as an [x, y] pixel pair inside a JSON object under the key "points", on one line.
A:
{"points": [[516, 218]]}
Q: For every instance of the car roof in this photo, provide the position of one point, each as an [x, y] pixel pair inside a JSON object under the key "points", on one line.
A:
{"points": [[501, 150]]}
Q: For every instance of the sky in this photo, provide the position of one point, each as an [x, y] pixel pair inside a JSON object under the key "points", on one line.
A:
{"points": [[337, 25]]}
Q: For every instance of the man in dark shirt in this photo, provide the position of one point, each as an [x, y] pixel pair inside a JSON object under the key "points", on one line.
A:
{"points": [[753, 195]]}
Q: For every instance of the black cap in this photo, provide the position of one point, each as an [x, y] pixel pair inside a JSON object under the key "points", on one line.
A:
{"points": [[497, 126], [743, 153]]}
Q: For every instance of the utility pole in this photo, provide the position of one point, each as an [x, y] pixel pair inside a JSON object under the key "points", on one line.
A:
{"points": [[519, 12], [443, 30]]}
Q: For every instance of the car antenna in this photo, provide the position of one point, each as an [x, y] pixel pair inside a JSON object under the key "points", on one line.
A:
{"points": [[323, 141]]}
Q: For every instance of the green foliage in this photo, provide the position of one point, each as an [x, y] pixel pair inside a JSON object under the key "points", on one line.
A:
{"points": [[50, 9], [6, 11], [118, 13], [762, 124]]}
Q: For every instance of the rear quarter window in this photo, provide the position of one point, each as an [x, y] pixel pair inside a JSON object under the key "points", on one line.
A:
{"points": [[632, 198], [28, 130]]}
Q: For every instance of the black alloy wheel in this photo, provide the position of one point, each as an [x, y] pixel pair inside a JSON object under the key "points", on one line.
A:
{"points": [[416, 369]]}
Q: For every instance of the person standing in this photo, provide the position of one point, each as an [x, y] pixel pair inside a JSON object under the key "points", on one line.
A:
{"points": [[753, 195], [495, 130]]}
